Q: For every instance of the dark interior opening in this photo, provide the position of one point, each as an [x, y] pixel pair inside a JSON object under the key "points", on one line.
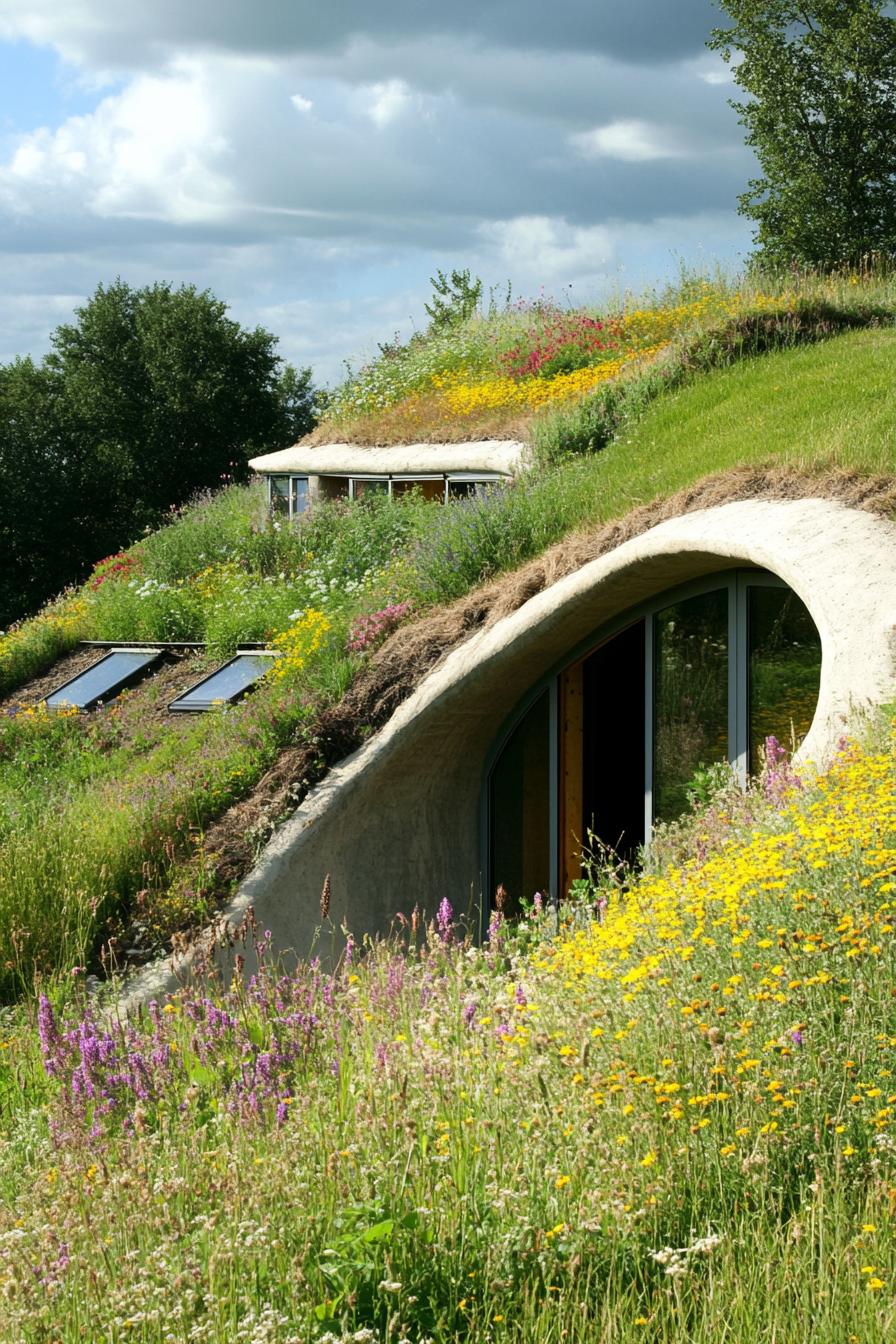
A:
{"points": [[520, 810], [613, 742]]}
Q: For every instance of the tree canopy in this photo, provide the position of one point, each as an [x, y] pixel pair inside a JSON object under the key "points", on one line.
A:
{"points": [[149, 396], [821, 116]]}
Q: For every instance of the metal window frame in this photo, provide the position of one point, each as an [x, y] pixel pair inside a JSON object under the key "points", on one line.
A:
{"points": [[447, 479], [293, 511], [152, 653], [203, 706], [736, 580], [290, 476], [381, 480]]}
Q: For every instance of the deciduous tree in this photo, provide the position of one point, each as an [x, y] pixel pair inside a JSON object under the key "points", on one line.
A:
{"points": [[821, 115], [149, 396]]}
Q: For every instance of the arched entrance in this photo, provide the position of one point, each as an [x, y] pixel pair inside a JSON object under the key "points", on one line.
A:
{"points": [[610, 742]]}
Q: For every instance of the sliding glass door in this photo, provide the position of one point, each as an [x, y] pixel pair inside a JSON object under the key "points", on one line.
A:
{"points": [[611, 741]]}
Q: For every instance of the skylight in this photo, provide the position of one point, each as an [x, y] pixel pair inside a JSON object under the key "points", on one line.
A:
{"points": [[228, 684], [104, 680]]}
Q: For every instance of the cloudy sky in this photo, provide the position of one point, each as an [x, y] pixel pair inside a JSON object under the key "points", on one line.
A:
{"points": [[313, 163]]}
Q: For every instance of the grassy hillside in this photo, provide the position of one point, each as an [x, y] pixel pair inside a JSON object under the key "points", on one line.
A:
{"points": [[665, 1114], [517, 372], [670, 1118], [103, 819]]}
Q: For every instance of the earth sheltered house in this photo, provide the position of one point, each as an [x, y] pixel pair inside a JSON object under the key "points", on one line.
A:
{"points": [[580, 695], [297, 476]]}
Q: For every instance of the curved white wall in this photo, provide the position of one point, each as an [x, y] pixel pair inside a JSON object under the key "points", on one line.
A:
{"points": [[397, 823], [406, 459]]}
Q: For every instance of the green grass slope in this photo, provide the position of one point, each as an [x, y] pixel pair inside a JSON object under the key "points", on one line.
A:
{"points": [[665, 1114], [670, 1118], [102, 825], [825, 405]]}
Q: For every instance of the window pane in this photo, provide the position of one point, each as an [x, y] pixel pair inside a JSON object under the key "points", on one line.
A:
{"points": [[227, 684], [433, 490], [299, 494], [367, 489], [104, 680], [613, 739], [466, 489], [785, 669], [332, 487], [691, 696], [520, 810], [280, 495]]}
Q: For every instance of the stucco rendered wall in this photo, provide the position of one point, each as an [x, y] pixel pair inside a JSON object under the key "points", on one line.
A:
{"points": [[397, 824], [503, 456]]}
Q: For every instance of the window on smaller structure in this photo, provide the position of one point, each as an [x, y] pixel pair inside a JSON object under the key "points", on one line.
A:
{"points": [[279, 495], [464, 484], [228, 684], [299, 497], [367, 487], [333, 487], [430, 487], [288, 495], [104, 680]]}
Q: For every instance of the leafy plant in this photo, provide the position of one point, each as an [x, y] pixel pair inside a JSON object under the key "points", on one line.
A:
{"points": [[454, 298]]}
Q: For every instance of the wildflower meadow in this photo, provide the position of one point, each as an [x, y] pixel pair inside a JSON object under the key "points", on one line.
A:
{"points": [[662, 1112]]}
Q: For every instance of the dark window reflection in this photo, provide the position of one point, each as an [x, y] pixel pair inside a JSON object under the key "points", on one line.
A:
{"points": [[368, 489], [280, 495], [691, 696], [520, 810], [785, 668], [613, 741], [300, 496]]}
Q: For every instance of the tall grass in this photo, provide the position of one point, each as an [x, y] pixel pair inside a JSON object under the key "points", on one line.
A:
{"points": [[71, 868], [669, 1119], [506, 373], [76, 854]]}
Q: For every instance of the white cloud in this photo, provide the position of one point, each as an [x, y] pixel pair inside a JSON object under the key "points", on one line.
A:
{"points": [[153, 151], [539, 250], [716, 76], [314, 165], [387, 101], [632, 141], [713, 70]]}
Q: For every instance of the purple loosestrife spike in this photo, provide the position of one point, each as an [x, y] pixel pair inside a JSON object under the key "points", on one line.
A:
{"points": [[50, 1039], [469, 1013], [444, 918]]}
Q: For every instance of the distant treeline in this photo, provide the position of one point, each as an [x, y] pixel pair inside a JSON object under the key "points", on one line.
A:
{"points": [[148, 397]]}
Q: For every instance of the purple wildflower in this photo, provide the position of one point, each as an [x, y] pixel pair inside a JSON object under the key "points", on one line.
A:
{"points": [[444, 918], [778, 777], [50, 1040]]}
